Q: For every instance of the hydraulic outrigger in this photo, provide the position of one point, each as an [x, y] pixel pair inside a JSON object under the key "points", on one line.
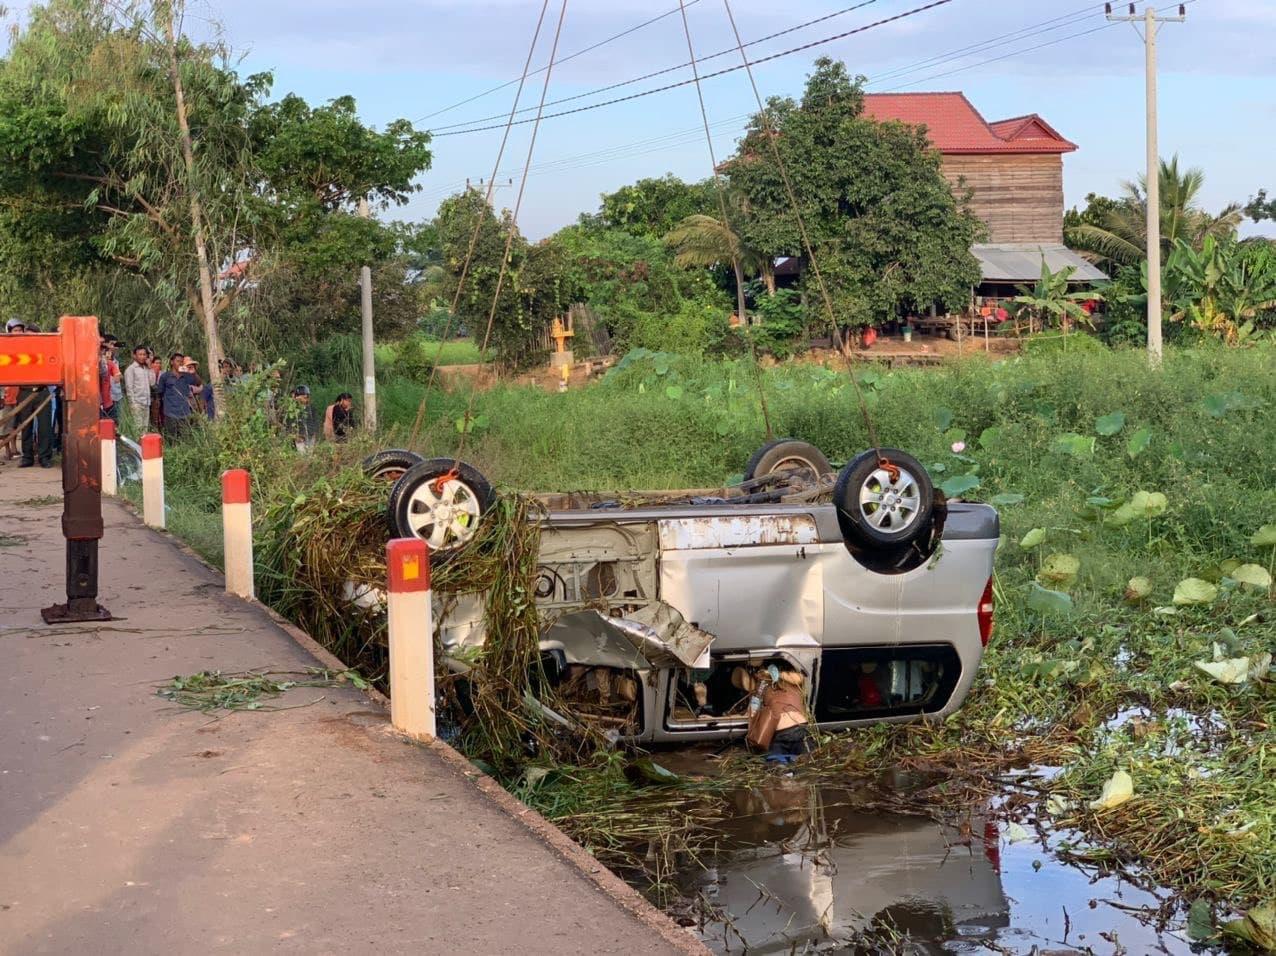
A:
{"points": [[69, 358]]}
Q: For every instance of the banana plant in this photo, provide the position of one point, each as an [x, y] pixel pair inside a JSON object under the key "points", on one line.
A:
{"points": [[1051, 299], [1222, 288]]}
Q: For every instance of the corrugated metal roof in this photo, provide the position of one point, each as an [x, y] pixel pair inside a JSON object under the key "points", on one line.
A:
{"points": [[953, 125], [1021, 261]]}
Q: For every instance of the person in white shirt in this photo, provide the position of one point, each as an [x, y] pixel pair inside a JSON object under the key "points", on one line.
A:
{"points": [[137, 387]]}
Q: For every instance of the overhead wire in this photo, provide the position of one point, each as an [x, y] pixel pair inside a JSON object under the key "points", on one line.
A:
{"points": [[732, 69], [589, 49], [673, 69], [681, 137]]}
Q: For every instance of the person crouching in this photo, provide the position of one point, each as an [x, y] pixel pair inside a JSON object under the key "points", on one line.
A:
{"points": [[786, 698]]}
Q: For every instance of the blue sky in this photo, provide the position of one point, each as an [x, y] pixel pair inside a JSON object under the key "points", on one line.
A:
{"points": [[410, 59]]}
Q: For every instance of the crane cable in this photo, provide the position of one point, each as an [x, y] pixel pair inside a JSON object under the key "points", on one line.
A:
{"points": [[722, 206], [770, 134], [513, 229], [478, 224]]}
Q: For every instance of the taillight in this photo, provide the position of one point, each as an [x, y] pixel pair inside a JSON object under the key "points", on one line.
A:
{"points": [[985, 614]]}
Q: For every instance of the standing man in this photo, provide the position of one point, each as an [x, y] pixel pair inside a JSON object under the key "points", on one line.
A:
{"points": [[174, 388], [37, 437], [137, 386], [338, 418], [303, 419], [9, 413], [117, 380], [108, 375]]}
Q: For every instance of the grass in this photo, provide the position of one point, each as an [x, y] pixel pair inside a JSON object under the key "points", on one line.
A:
{"points": [[453, 351], [1064, 443]]}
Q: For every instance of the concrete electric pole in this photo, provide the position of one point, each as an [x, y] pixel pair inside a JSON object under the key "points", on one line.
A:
{"points": [[369, 358], [1151, 24]]}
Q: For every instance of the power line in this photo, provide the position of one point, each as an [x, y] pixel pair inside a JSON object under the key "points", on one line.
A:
{"points": [[1031, 49], [669, 69], [730, 69], [589, 49], [664, 141], [1034, 29]]}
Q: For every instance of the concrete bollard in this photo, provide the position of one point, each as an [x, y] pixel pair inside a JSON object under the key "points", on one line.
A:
{"points": [[106, 436], [153, 480], [237, 532], [411, 626]]}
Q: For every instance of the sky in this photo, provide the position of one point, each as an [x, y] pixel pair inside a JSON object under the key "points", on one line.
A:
{"points": [[420, 59]]}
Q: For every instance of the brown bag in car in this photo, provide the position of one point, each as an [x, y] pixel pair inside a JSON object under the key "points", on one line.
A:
{"points": [[762, 725]]}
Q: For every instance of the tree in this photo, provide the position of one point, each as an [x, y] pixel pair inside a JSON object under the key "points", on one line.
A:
{"points": [[1097, 208], [707, 241], [651, 207], [1260, 207], [885, 228], [1051, 299], [98, 191], [1120, 234]]}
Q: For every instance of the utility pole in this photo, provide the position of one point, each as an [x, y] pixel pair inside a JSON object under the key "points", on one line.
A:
{"points": [[369, 358], [1151, 24]]}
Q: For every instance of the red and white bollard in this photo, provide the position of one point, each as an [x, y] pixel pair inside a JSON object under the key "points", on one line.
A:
{"points": [[411, 627], [237, 532], [106, 436], [153, 480]]}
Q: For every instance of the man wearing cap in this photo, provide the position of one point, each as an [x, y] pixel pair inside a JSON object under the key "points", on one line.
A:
{"points": [[303, 418], [9, 410]]}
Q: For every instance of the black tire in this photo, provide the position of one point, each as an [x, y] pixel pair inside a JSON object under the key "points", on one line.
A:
{"points": [[884, 503], [411, 508], [391, 463], [787, 454]]}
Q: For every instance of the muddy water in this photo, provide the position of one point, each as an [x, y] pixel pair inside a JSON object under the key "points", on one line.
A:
{"points": [[806, 868]]}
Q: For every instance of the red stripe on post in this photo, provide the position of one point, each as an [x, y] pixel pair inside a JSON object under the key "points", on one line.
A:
{"points": [[236, 487], [106, 429], [152, 445], [408, 565]]}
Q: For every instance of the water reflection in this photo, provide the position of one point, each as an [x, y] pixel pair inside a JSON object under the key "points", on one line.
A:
{"points": [[805, 868]]}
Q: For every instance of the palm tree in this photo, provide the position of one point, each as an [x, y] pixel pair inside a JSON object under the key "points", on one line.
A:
{"points": [[1121, 238], [701, 241]]}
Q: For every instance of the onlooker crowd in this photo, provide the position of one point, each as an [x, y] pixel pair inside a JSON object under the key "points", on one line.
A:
{"points": [[168, 400]]}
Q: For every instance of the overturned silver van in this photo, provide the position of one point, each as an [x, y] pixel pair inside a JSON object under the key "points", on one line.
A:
{"points": [[658, 612]]}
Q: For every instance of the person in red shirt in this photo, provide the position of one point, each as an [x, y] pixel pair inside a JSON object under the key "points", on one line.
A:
{"points": [[108, 373]]}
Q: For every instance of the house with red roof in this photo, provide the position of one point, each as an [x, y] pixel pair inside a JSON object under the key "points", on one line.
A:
{"points": [[1013, 171]]}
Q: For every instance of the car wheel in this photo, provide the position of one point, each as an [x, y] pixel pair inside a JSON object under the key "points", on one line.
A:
{"points": [[441, 501], [390, 464], [787, 454], [884, 499]]}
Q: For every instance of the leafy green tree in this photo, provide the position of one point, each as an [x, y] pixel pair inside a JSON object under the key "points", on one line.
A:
{"points": [[636, 288], [886, 230], [96, 192], [1260, 207], [1096, 210], [1052, 301], [1120, 234], [651, 207]]}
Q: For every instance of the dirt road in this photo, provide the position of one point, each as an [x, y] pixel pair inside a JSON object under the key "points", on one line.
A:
{"points": [[127, 824]]}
